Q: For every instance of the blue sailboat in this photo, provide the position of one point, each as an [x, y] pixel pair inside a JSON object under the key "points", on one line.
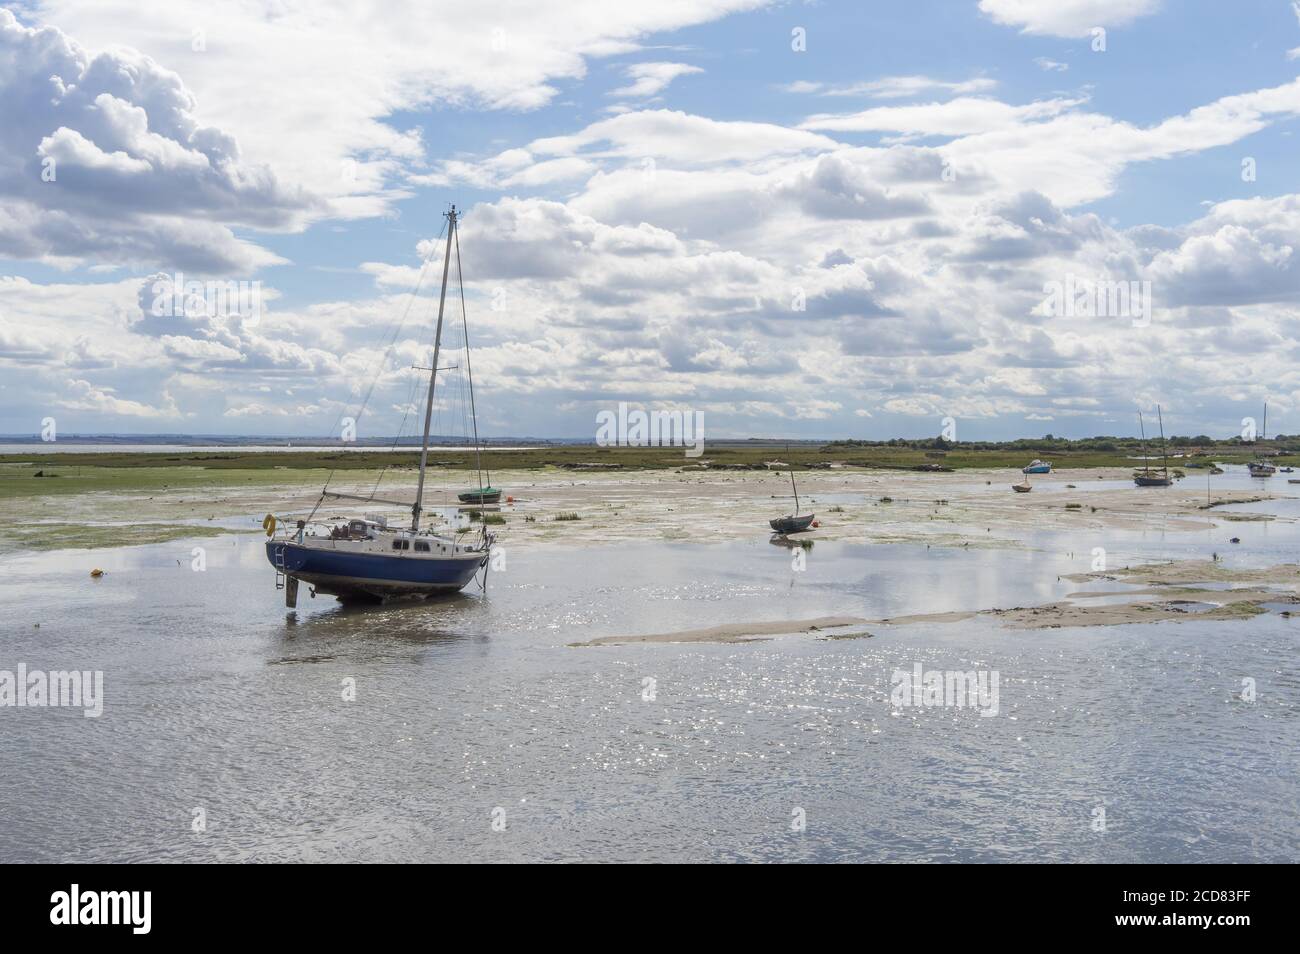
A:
{"points": [[1037, 467], [365, 558]]}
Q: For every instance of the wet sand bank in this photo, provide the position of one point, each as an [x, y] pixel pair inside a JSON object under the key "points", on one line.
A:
{"points": [[969, 508]]}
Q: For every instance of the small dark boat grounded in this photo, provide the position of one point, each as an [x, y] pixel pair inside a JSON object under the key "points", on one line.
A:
{"points": [[488, 495], [795, 522], [792, 524]]}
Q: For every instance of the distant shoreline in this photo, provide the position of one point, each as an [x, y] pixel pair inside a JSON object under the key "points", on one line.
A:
{"points": [[75, 447], [17, 460]]}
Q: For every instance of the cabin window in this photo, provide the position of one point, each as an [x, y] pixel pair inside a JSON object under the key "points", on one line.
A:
{"points": [[401, 544], [421, 546]]}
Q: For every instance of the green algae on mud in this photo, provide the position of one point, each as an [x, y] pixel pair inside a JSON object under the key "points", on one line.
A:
{"points": [[95, 507], [59, 479], [80, 536], [933, 509]]}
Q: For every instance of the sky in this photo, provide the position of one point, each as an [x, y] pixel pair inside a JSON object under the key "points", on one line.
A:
{"points": [[816, 220]]}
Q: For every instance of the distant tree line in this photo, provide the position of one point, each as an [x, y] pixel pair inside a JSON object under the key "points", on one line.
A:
{"points": [[1048, 442]]}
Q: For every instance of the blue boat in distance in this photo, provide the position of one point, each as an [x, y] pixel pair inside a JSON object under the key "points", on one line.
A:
{"points": [[1037, 467], [365, 558]]}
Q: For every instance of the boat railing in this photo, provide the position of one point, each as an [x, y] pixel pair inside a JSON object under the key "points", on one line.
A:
{"points": [[288, 531]]}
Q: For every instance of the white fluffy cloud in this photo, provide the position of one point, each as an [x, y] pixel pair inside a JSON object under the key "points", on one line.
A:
{"points": [[650, 79], [1067, 18], [309, 90], [681, 137], [103, 160], [955, 117], [152, 169], [657, 255], [896, 87]]}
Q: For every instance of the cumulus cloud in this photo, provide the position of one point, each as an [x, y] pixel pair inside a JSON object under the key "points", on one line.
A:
{"points": [[312, 91], [1242, 252], [102, 159], [837, 188], [663, 256]]}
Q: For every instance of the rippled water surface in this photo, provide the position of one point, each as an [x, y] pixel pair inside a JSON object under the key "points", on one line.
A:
{"points": [[218, 699]]}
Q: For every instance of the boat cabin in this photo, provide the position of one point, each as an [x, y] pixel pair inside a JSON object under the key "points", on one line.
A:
{"points": [[418, 545], [356, 530]]}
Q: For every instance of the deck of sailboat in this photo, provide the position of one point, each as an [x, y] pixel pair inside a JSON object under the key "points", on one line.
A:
{"points": [[398, 544]]}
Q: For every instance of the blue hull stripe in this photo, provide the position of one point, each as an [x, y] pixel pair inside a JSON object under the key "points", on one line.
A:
{"points": [[361, 570]]}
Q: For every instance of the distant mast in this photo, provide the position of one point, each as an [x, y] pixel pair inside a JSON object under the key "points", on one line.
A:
{"points": [[1146, 461], [469, 372], [1164, 450], [433, 373]]}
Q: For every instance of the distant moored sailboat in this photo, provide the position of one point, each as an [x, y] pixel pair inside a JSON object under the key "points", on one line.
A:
{"points": [[1260, 467], [794, 523], [1146, 477]]}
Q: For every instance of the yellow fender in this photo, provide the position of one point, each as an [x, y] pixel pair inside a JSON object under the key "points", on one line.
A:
{"points": [[268, 524]]}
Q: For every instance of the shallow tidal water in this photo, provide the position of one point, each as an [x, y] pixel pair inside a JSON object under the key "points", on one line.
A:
{"points": [[475, 709]]}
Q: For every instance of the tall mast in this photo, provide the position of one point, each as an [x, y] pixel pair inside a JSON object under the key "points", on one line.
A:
{"points": [[1163, 448], [433, 372], [796, 491], [1146, 462], [469, 371]]}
